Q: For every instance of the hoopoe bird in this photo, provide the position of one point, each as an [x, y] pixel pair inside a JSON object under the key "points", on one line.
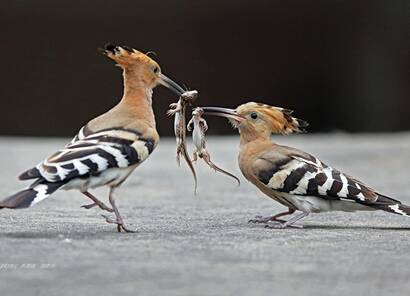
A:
{"points": [[294, 178], [109, 147]]}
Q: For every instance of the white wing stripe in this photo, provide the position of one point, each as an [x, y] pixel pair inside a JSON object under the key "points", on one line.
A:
{"points": [[329, 181], [101, 162], [343, 192], [119, 157], [82, 168], [278, 178], [41, 193], [303, 183]]}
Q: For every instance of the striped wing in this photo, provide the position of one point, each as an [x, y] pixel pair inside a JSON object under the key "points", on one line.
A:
{"points": [[90, 154], [308, 176], [82, 133]]}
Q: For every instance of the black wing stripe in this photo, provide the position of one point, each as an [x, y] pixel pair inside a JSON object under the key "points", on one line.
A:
{"points": [[116, 140], [72, 174], [352, 188], [291, 182], [68, 166], [321, 179], [336, 185], [314, 183], [130, 154], [112, 163], [93, 153], [307, 177], [81, 144], [149, 143], [93, 167], [69, 155], [312, 188], [266, 174]]}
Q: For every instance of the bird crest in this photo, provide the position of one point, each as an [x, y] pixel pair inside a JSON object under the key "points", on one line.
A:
{"points": [[124, 55], [279, 120]]}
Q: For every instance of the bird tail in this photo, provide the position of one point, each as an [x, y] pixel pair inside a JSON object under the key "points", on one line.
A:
{"points": [[32, 173], [28, 197], [390, 205]]}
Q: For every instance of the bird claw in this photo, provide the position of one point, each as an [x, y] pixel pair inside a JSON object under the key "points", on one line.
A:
{"points": [[262, 219], [119, 227], [102, 206], [120, 224], [281, 225], [89, 206], [276, 225]]}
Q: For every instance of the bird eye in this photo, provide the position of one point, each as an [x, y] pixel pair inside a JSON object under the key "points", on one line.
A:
{"points": [[155, 70], [254, 115]]}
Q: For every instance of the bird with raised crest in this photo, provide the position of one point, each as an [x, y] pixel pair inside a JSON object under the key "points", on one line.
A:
{"points": [[294, 178], [109, 147]]}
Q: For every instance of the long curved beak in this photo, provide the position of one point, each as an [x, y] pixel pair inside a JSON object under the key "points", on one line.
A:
{"points": [[223, 112], [170, 84]]}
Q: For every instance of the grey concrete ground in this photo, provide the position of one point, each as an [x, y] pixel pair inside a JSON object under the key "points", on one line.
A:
{"points": [[203, 245]]}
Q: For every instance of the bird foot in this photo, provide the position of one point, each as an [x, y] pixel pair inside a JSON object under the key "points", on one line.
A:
{"points": [[282, 225], [262, 219], [101, 205], [120, 224]]}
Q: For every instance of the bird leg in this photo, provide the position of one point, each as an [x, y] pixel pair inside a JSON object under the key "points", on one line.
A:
{"points": [[289, 223], [261, 219], [97, 202], [118, 220]]}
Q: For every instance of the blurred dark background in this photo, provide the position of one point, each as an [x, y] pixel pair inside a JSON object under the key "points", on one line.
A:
{"points": [[342, 65]]}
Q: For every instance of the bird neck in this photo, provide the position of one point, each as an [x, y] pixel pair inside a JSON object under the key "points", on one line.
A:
{"points": [[249, 152], [248, 135], [137, 98]]}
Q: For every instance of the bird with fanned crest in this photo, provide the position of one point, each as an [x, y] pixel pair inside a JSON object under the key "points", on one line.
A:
{"points": [[296, 179], [109, 147]]}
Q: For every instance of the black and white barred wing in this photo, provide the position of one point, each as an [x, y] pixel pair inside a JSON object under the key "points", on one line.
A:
{"points": [[86, 156], [82, 133], [300, 175], [304, 175], [93, 154]]}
